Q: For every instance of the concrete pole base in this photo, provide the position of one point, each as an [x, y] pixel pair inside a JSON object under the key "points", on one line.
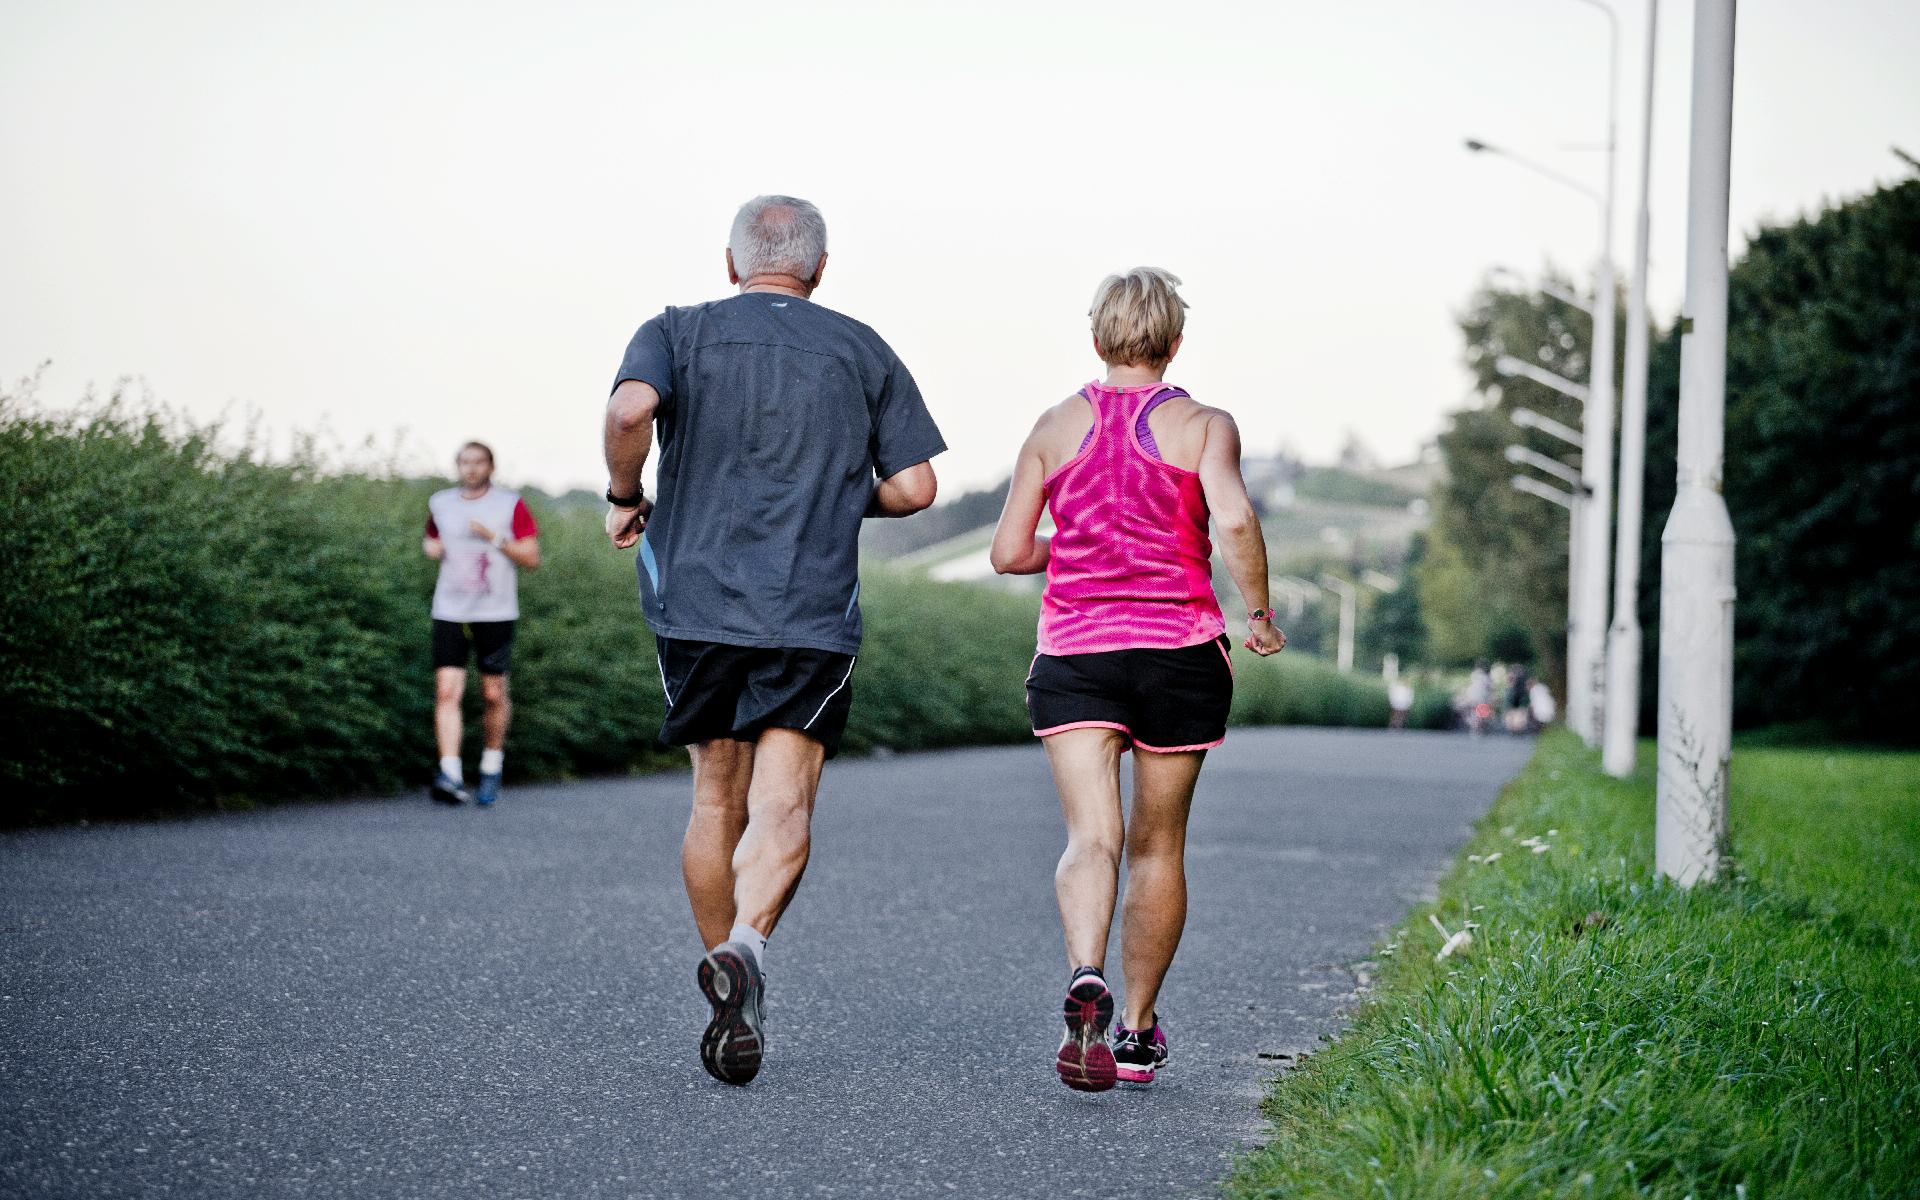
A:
{"points": [[1696, 687], [1622, 727]]}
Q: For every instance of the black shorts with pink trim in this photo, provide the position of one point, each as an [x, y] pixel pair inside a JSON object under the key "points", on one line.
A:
{"points": [[1160, 700]]}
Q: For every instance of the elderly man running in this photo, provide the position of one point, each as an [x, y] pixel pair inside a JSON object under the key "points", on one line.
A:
{"points": [[781, 425]]}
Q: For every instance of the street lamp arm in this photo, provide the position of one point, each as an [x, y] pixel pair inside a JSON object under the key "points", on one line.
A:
{"points": [[1526, 418], [1507, 364], [1521, 456], [1533, 487], [1480, 147]]}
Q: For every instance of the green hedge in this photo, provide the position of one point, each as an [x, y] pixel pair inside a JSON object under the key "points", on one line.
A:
{"points": [[186, 628]]}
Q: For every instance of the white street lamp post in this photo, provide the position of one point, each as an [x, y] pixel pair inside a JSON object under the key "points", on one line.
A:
{"points": [[1596, 466], [1587, 623], [1696, 550], [1348, 594], [1621, 728]]}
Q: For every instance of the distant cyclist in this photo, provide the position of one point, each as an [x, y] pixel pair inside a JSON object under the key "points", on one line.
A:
{"points": [[483, 537], [1133, 654], [781, 424]]}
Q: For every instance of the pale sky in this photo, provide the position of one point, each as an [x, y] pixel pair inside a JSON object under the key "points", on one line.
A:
{"points": [[435, 221]]}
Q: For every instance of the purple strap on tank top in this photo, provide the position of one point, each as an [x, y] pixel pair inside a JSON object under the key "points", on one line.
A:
{"points": [[1141, 429]]}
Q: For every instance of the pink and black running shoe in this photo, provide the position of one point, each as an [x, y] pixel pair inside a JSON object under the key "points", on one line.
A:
{"points": [[734, 1043], [1085, 1061], [1138, 1053]]}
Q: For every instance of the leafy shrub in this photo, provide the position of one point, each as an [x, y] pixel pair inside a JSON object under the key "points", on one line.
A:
{"points": [[188, 628]]}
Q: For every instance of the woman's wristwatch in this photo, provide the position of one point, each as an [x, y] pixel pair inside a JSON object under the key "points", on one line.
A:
{"points": [[1260, 614]]}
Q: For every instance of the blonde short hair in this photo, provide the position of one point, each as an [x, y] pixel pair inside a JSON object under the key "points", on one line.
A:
{"points": [[1137, 316]]}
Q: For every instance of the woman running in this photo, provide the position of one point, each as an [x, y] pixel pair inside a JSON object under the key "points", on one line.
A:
{"points": [[1133, 653]]}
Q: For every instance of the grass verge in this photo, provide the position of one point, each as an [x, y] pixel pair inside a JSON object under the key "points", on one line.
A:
{"points": [[1608, 1035]]}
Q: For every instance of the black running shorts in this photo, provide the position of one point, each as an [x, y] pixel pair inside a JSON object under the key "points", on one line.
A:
{"points": [[492, 641], [1160, 700], [718, 691]]}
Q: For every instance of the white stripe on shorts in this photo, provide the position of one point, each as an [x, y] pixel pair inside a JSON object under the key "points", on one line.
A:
{"points": [[663, 679], [831, 694]]}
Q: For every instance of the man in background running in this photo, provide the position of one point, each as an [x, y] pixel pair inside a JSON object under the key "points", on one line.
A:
{"points": [[781, 425], [483, 537]]}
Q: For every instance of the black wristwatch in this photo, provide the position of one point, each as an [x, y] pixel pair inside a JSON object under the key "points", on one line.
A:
{"points": [[633, 501]]}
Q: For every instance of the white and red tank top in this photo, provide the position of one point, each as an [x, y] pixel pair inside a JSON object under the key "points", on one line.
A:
{"points": [[1131, 564], [477, 582]]}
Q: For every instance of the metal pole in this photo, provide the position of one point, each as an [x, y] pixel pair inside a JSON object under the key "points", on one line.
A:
{"points": [[1621, 729], [1587, 672], [1348, 594], [1696, 550]]}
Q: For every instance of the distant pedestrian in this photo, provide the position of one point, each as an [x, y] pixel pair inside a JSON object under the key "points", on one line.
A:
{"points": [[781, 425], [483, 537], [1399, 702], [1478, 699], [1133, 653], [1540, 700], [1514, 712]]}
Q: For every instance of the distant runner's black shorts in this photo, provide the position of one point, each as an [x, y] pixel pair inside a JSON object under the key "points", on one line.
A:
{"points": [[492, 641], [718, 691], [1161, 700]]}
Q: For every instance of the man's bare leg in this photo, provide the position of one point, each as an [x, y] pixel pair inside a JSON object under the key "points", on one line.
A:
{"points": [[722, 771], [772, 856], [1156, 904], [769, 792], [498, 712], [1086, 770], [449, 687]]}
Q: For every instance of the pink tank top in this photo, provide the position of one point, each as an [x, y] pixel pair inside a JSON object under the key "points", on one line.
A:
{"points": [[1130, 566]]}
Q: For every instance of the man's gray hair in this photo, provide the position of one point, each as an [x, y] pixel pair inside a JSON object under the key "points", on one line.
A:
{"points": [[777, 235]]}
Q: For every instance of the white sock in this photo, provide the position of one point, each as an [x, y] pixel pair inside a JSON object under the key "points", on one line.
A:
{"points": [[450, 767], [491, 760], [754, 940]]}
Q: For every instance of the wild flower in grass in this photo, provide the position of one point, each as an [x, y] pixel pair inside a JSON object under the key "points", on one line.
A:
{"points": [[1453, 941]]}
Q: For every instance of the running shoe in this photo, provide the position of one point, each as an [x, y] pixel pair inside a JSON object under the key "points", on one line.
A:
{"points": [[489, 790], [448, 790], [732, 1047], [1085, 1061], [1138, 1053]]}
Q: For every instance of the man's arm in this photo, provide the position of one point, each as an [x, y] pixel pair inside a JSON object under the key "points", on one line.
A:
{"points": [[523, 552], [904, 493], [628, 439], [1242, 544], [431, 545]]}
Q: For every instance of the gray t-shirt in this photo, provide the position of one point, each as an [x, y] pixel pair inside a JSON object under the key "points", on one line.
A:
{"points": [[776, 416]]}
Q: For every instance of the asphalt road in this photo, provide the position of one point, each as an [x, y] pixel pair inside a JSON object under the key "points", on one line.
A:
{"points": [[389, 998]]}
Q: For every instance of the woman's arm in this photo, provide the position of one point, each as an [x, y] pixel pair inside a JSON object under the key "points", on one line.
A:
{"points": [[1016, 550], [1242, 544]]}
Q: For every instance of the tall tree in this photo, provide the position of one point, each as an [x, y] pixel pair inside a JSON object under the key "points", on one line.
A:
{"points": [[1822, 469]]}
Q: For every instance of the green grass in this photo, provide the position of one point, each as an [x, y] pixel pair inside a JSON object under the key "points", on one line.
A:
{"points": [[1608, 1035]]}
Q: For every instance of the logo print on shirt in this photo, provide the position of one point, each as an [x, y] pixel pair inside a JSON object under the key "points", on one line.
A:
{"points": [[478, 583], [780, 304]]}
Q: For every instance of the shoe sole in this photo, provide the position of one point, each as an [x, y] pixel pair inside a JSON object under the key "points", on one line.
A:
{"points": [[446, 795], [732, 1047], [1085, 1062], [1128, 1074]]}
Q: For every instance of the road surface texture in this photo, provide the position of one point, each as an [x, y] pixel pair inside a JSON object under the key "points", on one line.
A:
{"points": [[391, 998]]}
